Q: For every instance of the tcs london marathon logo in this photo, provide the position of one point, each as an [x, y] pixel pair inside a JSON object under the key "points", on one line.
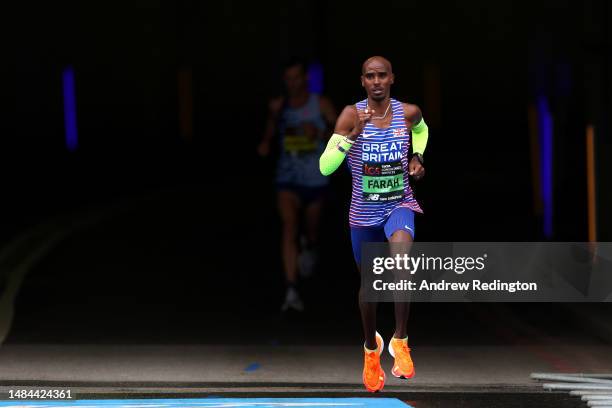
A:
{"points": [[371, 169]]}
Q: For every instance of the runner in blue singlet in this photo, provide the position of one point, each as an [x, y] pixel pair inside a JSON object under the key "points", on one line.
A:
{"points": [[302, 122]]}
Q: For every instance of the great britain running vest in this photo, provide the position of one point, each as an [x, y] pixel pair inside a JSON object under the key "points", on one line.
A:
{"points": [[379, 167]]}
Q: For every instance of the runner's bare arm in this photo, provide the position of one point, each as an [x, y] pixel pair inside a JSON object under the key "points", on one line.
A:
{"points": [[351, 122], [412, 113], [274, 108], [340, 142]]}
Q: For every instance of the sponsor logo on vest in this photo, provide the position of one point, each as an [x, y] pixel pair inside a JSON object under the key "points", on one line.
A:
{"points": [[371, 170]]}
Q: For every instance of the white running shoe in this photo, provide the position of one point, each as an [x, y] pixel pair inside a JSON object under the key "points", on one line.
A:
{"points": [[292, 301]]}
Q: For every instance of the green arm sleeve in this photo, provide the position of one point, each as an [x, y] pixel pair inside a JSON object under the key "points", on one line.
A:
{"points": [[420, 134], [332, 157]]}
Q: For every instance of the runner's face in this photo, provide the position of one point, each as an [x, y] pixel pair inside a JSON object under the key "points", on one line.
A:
{"points": [[295, 79], [377, 79]]}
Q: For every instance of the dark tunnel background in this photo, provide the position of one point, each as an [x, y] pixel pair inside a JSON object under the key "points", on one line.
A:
{"points": [[199, 236]]}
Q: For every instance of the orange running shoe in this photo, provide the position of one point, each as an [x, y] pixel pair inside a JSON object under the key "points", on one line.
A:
{"points": [[403, 366], [373, 374]]}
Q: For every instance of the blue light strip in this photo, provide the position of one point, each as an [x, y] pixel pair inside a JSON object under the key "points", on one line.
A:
{"points": [[546, 160], [70, 123], [315, 78]]}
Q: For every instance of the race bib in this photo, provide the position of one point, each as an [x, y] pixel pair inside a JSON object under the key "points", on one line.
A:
{"points": [[383, 181], [295, 143]]}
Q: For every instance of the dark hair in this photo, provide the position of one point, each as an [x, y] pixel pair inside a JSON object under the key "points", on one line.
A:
{"points": [[295, 61]]}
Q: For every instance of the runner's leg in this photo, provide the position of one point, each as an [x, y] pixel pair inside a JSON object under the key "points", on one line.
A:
{"points": [[289, 205], [399, 230], [367, 309]]}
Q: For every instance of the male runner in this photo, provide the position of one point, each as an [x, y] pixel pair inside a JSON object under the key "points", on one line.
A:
{"points": [[376, 135], [303, 122]]}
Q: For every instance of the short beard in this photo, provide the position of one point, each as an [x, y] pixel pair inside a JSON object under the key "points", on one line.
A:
{"points": [[378, 98]]}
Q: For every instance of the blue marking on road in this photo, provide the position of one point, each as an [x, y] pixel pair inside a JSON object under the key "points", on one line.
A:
{"points": [[215, 403], [253, 367]]}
